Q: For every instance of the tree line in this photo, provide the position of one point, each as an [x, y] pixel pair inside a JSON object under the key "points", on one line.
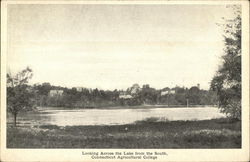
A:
{"points": [[24, 97], [88, 98]]}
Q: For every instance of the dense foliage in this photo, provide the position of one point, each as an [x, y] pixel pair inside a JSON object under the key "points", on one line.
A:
{"points": [[227, 81], [90, 98]]}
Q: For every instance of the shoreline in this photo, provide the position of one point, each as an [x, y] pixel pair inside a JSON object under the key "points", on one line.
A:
{"points": [[129, 107]]}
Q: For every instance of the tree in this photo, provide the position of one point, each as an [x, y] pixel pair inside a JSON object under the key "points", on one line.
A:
{"points": [[148, 95], [18, 94], [44, 89], [194, 95], [227, 81]]}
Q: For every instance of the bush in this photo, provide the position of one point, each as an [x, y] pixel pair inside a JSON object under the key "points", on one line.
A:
{"points": [[49, 127], [152, 120], [232, 109]]}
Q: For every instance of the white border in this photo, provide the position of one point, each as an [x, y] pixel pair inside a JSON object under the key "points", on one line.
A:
{"points": [[173, 154]]}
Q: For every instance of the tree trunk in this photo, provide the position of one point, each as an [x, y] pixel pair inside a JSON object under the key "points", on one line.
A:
{"points": [[15, 119]]}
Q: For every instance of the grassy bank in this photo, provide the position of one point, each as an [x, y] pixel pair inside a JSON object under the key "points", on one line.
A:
{"points": [[216, 133]]}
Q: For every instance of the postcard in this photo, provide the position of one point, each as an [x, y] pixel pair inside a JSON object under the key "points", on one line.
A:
{"points": [[124, 80]]}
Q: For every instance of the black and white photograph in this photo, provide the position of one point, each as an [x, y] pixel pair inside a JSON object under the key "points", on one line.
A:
{"points": [[108, 76]]}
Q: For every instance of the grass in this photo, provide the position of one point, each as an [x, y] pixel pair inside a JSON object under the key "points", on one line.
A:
{"points": [[150, 133]]}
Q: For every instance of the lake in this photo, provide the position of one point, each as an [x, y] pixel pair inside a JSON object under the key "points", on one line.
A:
{"points": [[73, 117]]}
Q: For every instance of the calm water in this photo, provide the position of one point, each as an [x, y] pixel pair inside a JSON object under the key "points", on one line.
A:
{"points": [[115, 116]]}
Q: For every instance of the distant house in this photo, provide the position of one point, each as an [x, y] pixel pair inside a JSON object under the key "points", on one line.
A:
{"points": [[164, 93], [53, 93], [172, 91], [167, 92], [125, 96], [79, 89]]}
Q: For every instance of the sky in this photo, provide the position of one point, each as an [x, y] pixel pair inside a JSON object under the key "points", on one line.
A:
{"points": [[115, 46]]}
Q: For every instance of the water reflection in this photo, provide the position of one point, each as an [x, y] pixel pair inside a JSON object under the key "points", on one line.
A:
{"points": [[62, 117]]}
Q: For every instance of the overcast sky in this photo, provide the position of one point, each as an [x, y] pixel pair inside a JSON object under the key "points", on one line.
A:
{"points": [[115, 46]]}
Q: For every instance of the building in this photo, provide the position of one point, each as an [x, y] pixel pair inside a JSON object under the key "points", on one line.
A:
{"points": [[172, 92], [53, 93], [167, 92], [124, 95], [164, 93], [79, 89]]}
